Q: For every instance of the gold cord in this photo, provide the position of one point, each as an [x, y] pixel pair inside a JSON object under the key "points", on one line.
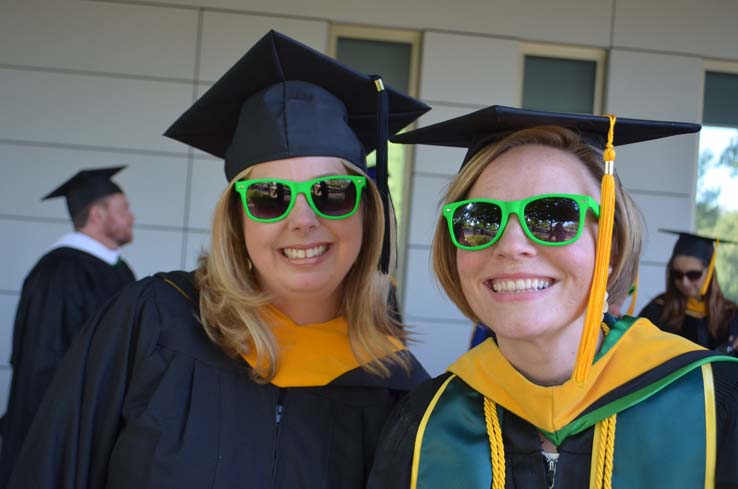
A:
{"points": [[606, 453], [496, 446]]}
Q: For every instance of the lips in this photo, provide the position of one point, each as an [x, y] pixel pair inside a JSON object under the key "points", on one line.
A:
{"points": [[518, 285]]}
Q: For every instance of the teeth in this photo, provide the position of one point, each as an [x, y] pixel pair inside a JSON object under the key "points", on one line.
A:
{"points": [[300, 253], [520, 285]]}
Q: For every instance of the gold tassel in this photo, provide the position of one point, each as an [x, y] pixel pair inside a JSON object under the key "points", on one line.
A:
{"points": [[593, 319], [710, 270]]}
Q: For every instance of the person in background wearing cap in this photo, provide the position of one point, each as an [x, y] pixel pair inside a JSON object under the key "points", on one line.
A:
{"points": [[64, 289], [693, 305], [276, 363], [566, 395]]}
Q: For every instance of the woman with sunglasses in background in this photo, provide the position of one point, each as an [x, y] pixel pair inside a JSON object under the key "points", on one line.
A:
{"points": [[536, 234], [275, 363], [693, 305]]}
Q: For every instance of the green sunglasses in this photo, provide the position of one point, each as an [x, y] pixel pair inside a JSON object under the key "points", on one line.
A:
{"points": [[549, 219], [271, 199]]}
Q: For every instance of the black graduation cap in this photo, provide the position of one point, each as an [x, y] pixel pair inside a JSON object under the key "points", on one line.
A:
{"points": [[478, 129], [284, 99], [695, 245], [85, 187]]}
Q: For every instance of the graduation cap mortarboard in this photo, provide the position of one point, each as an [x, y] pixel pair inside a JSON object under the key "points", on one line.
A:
{"points": [[698, 246], [283, 99], [85, 187], [478, 129], [482, 127], [695, 245]]}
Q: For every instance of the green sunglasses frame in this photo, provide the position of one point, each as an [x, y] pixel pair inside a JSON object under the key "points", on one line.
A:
{"points": [[297, 188], [517, 207]]}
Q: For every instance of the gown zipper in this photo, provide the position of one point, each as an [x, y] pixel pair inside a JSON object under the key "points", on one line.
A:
{"points": [[278, 415], [550, 460]]}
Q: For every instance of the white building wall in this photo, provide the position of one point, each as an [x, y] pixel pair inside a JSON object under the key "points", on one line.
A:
{"points": [[95, 83]]}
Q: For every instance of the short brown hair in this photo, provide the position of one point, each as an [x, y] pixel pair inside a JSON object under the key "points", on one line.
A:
{"points": [[627, 230], [80, 219]]}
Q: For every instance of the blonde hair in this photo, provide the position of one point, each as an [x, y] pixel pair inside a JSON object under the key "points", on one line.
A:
{"points": [[627, 229], [231, 299]]}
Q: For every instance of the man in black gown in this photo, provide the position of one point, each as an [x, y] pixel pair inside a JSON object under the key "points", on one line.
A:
{"points": [[63, 290]]}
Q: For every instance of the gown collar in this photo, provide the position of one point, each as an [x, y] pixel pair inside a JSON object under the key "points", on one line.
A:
{"points": [[82, 242]]}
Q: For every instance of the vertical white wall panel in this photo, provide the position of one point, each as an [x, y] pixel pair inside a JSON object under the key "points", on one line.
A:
{"points": [[90, 110], [208, 183], [439, 344], [197, 242], [661, 212], [571, 21], [154, 250], [652, 283], [668, 165], [227, 36], [706, 28], [425, 203], [423, 297], [5, 375], [654, 85], [106, 37], [667, 87], [470, 70]]}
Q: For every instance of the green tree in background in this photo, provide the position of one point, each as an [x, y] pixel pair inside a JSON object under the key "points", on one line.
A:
{"points": [[716, 221]]}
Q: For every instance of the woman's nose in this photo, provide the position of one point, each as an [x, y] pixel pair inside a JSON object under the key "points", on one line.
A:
{"points": [[302, 216], [514, 241]]}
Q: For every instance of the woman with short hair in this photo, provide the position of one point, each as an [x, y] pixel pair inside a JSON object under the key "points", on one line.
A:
{"points": [[535, 236]]}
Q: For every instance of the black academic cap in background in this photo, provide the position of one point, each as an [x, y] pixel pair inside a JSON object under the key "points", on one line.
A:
{"points": [[695, 245], [86, 187], [283, 99], [478, 129]]}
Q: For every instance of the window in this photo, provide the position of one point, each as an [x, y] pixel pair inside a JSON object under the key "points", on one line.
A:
{"points": [[562, 79], [395, 54], [716, 196]]}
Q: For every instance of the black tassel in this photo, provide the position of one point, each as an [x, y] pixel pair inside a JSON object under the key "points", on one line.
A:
{"points": [[382, 172]]}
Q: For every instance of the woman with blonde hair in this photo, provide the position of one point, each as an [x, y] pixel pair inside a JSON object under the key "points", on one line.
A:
{"points": [[275, 363], [535, 236]]}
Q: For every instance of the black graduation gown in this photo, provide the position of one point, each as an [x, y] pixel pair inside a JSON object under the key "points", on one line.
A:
{"points": [[525, 465], [145, 400], [693, 328], [62, 291]]}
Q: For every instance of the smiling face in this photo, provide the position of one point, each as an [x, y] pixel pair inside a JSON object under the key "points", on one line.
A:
{"points": [[522, 290], [303, 257]]}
